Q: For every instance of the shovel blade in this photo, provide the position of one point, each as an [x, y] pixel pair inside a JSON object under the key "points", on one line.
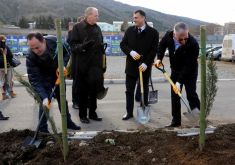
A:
{"points": [[29, 141], [193, 115], [143, 114], [153, 97]]}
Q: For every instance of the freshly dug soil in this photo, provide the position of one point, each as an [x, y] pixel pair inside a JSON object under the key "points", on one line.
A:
{"points": [[140, 148]]}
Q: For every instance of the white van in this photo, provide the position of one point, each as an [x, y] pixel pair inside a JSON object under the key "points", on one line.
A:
{"points": [[228, 50]]}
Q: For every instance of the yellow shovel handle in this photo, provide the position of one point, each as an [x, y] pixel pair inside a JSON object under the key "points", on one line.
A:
{"points": [[172, 84], [141, 82], [5, 62]]}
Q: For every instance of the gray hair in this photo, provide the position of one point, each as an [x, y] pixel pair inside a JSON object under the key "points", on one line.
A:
{"points": [[180, 27], [89, 11]]}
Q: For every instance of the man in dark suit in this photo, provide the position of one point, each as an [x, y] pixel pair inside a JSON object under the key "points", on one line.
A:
{"points": [[87, 46], [140, 46], [183, 54], [75, 98], [42, 64], [70, 63]]}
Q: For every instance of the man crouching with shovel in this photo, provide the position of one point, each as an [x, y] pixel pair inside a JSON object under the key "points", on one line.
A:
{"points": [[140, 46], [42, 64], [183, 54]]}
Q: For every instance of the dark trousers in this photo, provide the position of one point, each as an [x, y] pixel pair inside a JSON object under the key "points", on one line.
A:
{"points": [[43, 126], [137, 91], [192, 97], [75, 91], [89, 85], [130, 90]]}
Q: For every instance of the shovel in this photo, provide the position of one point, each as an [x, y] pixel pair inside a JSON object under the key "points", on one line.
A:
{"points": [[31, 141], [192, 115], [143, 112], [153, 94]]}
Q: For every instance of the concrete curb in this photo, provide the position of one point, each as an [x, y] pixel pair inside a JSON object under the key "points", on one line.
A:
{"points": [[106, 81], [122, 81]]}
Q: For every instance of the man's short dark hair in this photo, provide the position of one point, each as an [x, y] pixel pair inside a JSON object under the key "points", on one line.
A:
{"points": [[141, 12], [36, 35]]}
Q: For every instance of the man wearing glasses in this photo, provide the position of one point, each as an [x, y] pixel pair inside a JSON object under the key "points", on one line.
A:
{"points": [[183, 53]]}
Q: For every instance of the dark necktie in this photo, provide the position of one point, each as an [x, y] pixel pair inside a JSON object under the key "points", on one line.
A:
{"points": [[139, 30]]}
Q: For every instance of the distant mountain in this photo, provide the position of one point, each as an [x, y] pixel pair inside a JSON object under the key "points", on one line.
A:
{"points": [[109, 11]]}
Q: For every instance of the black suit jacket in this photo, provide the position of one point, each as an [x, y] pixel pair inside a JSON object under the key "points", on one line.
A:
{"points": [[42, 71], [92, 57], [184, 59], [144, 43]]}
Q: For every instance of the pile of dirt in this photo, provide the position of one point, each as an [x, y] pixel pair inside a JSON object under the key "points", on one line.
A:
{"points": [[144, 147]]}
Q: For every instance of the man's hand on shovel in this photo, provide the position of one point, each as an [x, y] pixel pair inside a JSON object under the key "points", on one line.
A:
{"points": [[57, 74], [177, 87], [143, 67], [157, 63], [46, 103], [65, 72]]}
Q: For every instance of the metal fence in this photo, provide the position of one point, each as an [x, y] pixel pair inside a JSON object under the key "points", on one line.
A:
{"points": [[18, 43]]}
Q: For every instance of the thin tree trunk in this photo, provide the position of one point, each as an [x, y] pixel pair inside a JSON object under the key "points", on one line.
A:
{"points": [[62, 89], [202, 136]]}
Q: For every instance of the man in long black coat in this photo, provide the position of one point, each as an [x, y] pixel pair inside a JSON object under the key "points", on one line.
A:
{"points": [[87, 45], [140, 46], [183, 54]]}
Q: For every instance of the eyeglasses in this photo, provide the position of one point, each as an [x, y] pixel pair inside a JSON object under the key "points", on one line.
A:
{"points": [[182, 39]]}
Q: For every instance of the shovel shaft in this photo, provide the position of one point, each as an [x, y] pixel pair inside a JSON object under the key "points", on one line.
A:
{"points": [[171, 82], [174, 87], [41, 117], [141, 82], [185, 103], [141, 88], [177, 92], [5, 63], [6, 85], [37, 129]]}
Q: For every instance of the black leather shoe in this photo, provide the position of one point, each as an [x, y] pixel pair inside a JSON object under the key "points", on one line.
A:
{"points": [[173, 125], [96, 118], [102, 94], [75, 106], [127, 116], [3, 117], [44, 131], [85, 120], [73, 126]]}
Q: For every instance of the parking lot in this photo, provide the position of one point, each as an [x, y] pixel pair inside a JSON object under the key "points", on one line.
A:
{"points": [[116, 68]]}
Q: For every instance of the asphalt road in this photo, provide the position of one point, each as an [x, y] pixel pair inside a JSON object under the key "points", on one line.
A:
{"points": [[23, 111], [116, 68]]}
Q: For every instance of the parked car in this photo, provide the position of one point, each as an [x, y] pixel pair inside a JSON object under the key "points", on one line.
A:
{"points": [[209, 51], [18, 54], [207, 48], [25, 54], [216, 53], [228, 50]]}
